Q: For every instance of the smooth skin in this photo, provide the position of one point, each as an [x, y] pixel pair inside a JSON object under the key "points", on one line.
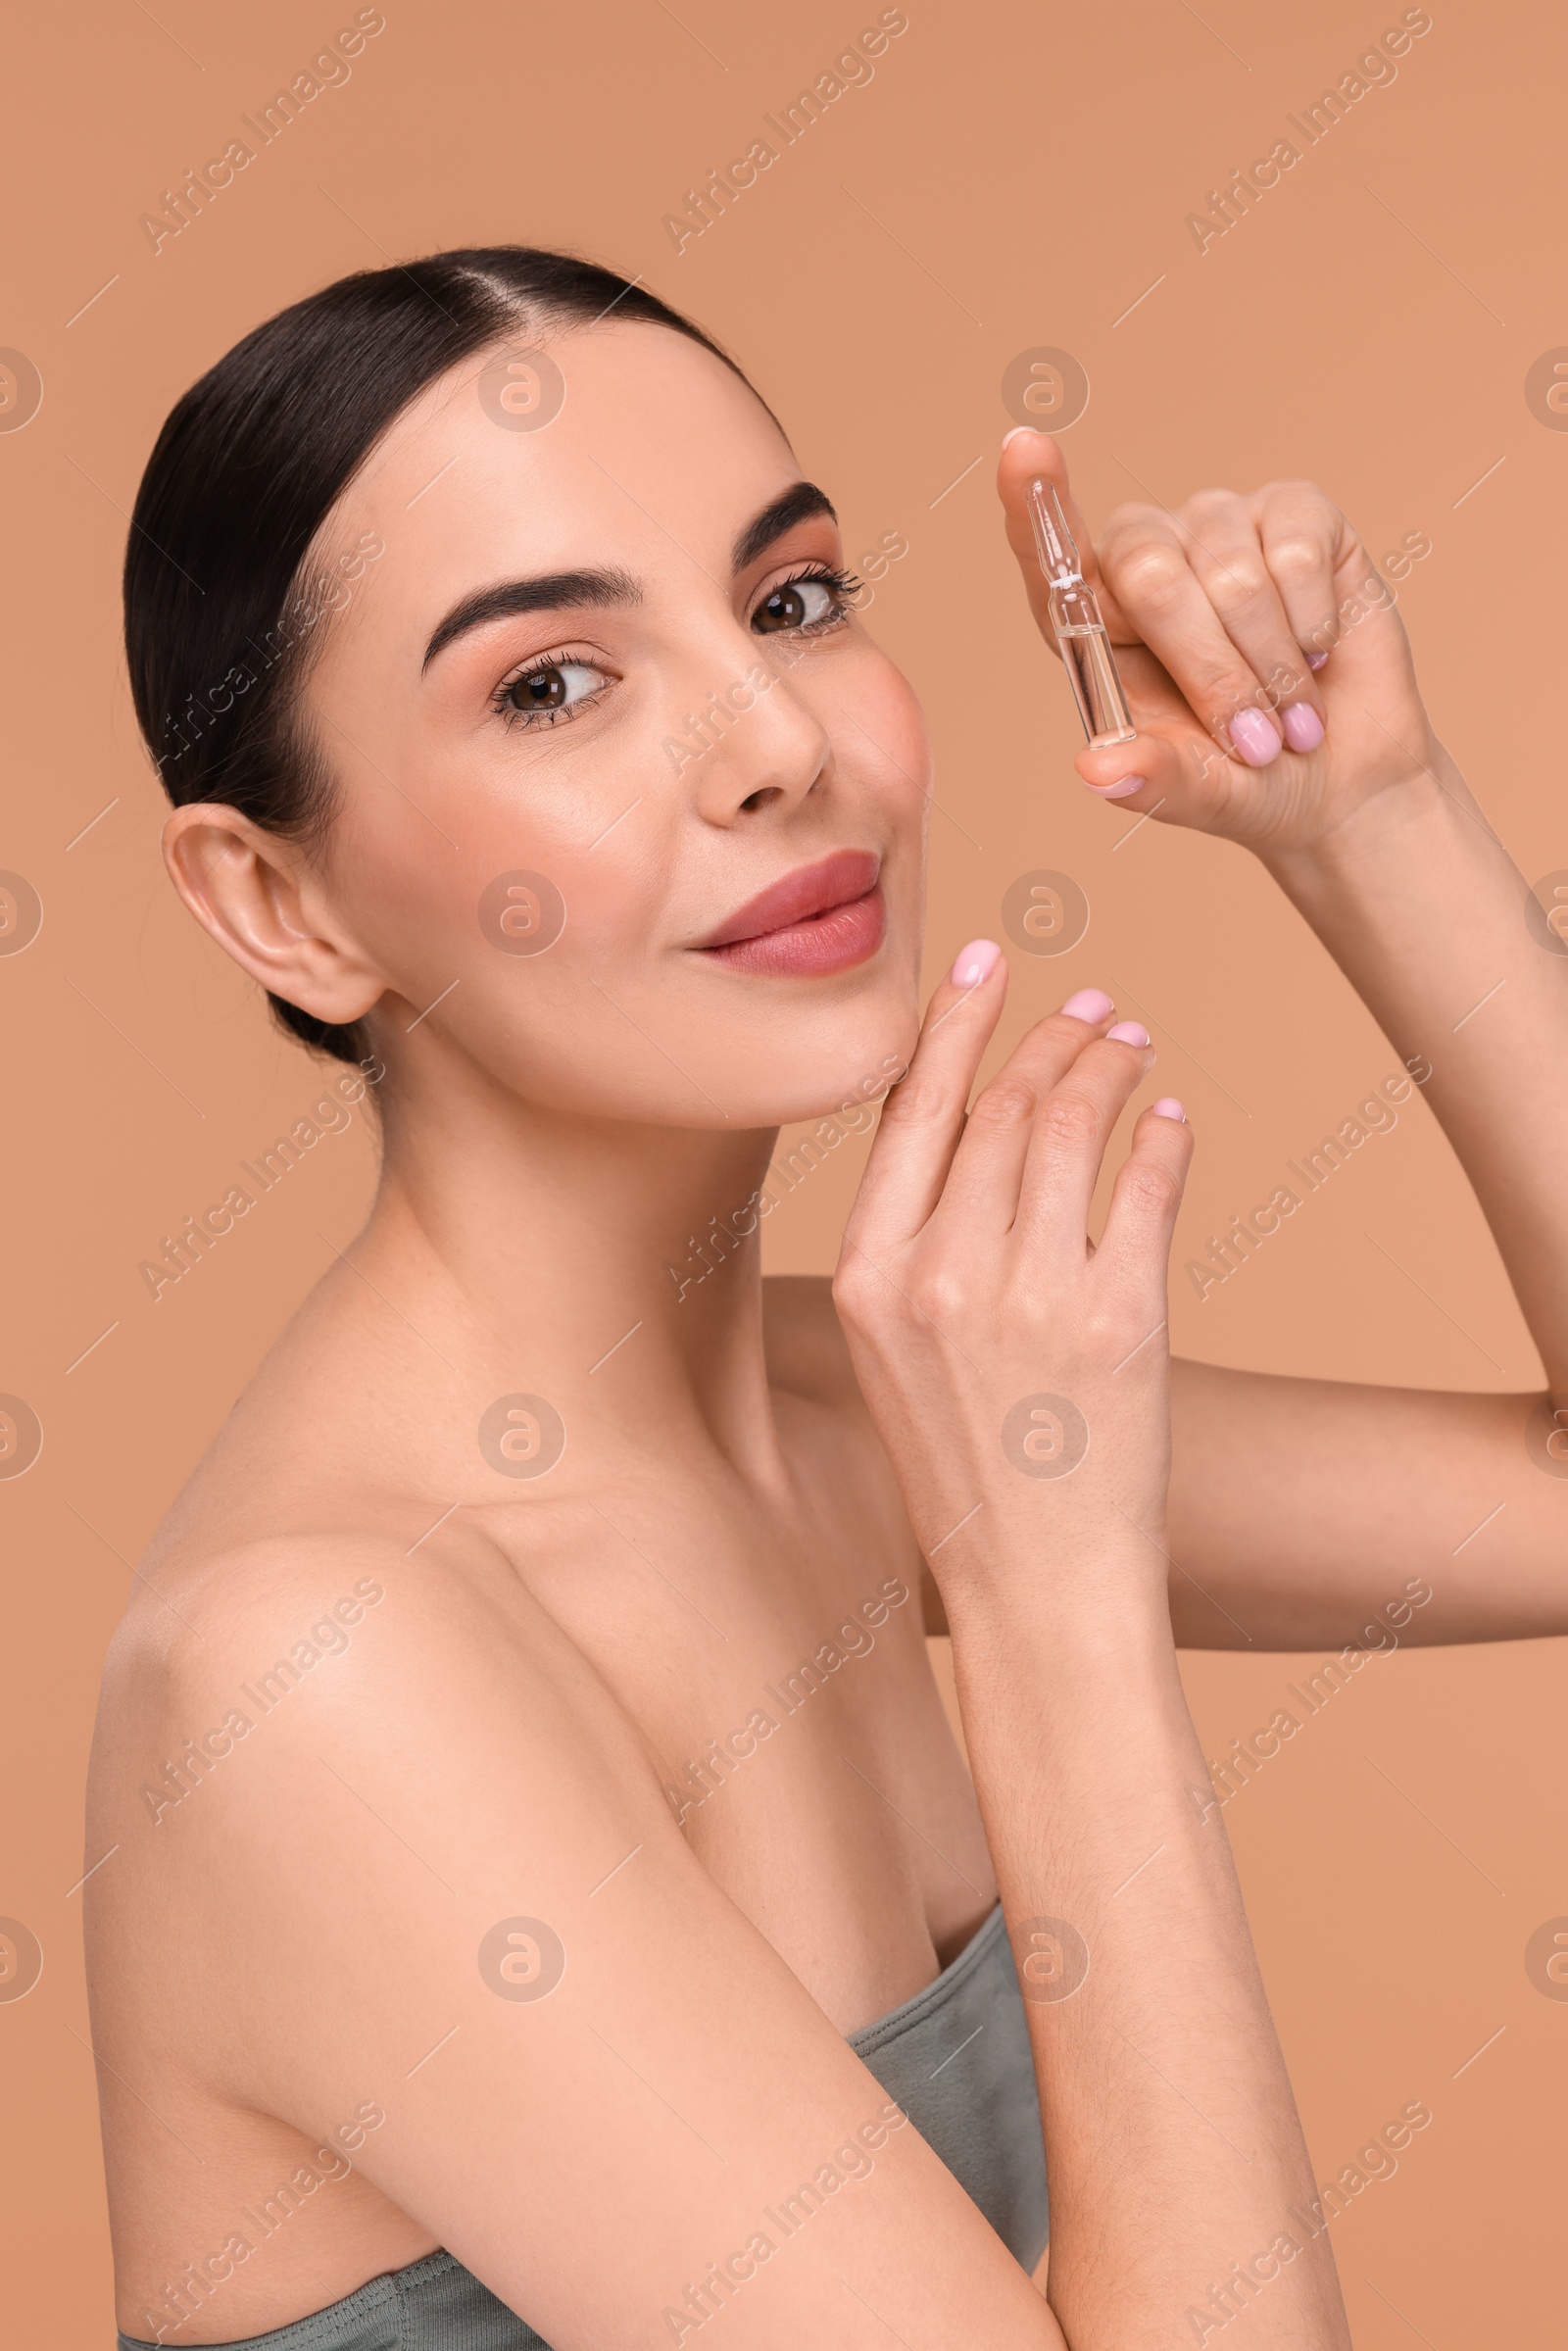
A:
{"points": [[297, 1940], [1378, 842]]}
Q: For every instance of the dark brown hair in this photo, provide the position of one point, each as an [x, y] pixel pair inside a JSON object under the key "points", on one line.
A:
{"points": [[220, 606]]}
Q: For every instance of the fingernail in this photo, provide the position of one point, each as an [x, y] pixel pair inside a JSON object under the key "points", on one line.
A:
{"points": [[975, 962], [1120, 789], [1013, 435], [1315, 661], [1255, 737], [1129, 1032], [1168, 1106], [1090, 1003], [1303, 729]]}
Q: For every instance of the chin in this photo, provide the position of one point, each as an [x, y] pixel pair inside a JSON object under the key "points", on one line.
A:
{"points": [[844, 1076]]}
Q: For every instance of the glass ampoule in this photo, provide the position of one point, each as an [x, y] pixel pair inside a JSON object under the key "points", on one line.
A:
{"points": [[1081, 634]]}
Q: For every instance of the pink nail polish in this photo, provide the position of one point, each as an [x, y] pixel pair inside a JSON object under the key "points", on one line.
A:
{"points": [[1168, 1106], [1129, 1032], [1090, 1003], [1120, 789], [1303, 729], [1315, 661], [975, 962], [1255, 737]]}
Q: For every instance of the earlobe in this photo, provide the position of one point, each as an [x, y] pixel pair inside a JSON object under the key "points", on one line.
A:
{"points": [[247, 889]]}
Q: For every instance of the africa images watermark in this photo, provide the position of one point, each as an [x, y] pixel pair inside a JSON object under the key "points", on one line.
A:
{"points": [[329, 1114], [1371, 595], [1375, 69], [850, 2162], [330, 591], [1229, 1251], [328, 1638], [727, 705], [851, 70], [722, 1757], [191, 2294], [1232, 2296], [1378, 1639], [855, 1115], [328, 70]]}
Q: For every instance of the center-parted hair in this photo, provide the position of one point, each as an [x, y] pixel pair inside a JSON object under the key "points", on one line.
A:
{"points": [[223, 613]]}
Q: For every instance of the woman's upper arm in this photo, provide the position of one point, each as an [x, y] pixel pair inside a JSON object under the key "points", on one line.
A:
{"points": [[443, 1878], [1303, 1511]]}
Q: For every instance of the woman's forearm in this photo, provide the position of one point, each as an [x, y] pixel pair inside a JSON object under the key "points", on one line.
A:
{"points": [[1424, 910], [1182, 2186], [1019, 1382]]}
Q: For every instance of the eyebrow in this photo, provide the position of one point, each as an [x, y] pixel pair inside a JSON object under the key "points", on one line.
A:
{"points": [[798, 503], [564, 591], [546, 592]]}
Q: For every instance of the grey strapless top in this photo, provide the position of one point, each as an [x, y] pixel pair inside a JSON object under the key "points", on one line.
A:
{"points": [[956, 2057]]}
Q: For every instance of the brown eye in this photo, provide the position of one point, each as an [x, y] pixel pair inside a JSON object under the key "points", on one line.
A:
{"points": [[796, 603], [550, 690], [540, 690]]}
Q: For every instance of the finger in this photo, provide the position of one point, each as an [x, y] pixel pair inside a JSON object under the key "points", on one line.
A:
{"points": [[1069, 1139], [1173, 758], [1303, 535], [982, 1187], [1147, 1195], [923, 1115], [1362, 630], [1328, 583], [1149, 563], [1230, 558]]}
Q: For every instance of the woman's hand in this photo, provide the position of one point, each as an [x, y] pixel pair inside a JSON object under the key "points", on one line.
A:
{"points": [[1016, 1374], [1268, 674]]}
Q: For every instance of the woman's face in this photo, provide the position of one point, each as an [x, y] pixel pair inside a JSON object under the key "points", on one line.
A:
{"points": [[631, 811]]}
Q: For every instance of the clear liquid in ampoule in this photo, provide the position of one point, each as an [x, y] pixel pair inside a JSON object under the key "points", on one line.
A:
{"points": [[1080, 632], [1091, 669]]}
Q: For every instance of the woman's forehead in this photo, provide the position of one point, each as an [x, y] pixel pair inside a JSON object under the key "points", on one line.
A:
{"points": [[628, 436]]}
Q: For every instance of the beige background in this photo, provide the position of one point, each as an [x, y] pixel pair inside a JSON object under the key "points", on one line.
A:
{"points": [[1008, 179]]}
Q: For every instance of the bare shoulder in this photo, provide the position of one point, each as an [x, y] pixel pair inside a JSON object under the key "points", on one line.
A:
{"points": [[197, 1607], [308, 1596], [320, 1733], [297, 1650], [380, 1869]]}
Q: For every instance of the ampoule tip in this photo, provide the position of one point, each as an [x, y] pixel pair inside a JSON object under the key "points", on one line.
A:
{"points": [[1053, 541]]}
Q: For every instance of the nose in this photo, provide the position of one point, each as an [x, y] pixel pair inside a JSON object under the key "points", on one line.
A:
{"points": [[757, 747]]}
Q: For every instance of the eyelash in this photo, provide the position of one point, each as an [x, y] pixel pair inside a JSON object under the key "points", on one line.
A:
{"points": [[842, 584], [510, 714]]}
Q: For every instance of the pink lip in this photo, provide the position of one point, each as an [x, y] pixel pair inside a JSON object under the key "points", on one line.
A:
{"points": [[822, 918]]}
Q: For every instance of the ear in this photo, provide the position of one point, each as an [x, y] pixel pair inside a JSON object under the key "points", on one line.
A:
{"points": [[259, 897]]}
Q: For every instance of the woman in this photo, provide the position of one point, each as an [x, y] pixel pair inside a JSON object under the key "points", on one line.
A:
{"points": [[546, 1904]]}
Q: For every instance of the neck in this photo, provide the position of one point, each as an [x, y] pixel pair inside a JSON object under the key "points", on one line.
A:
{"points": [[615, 1268]]}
